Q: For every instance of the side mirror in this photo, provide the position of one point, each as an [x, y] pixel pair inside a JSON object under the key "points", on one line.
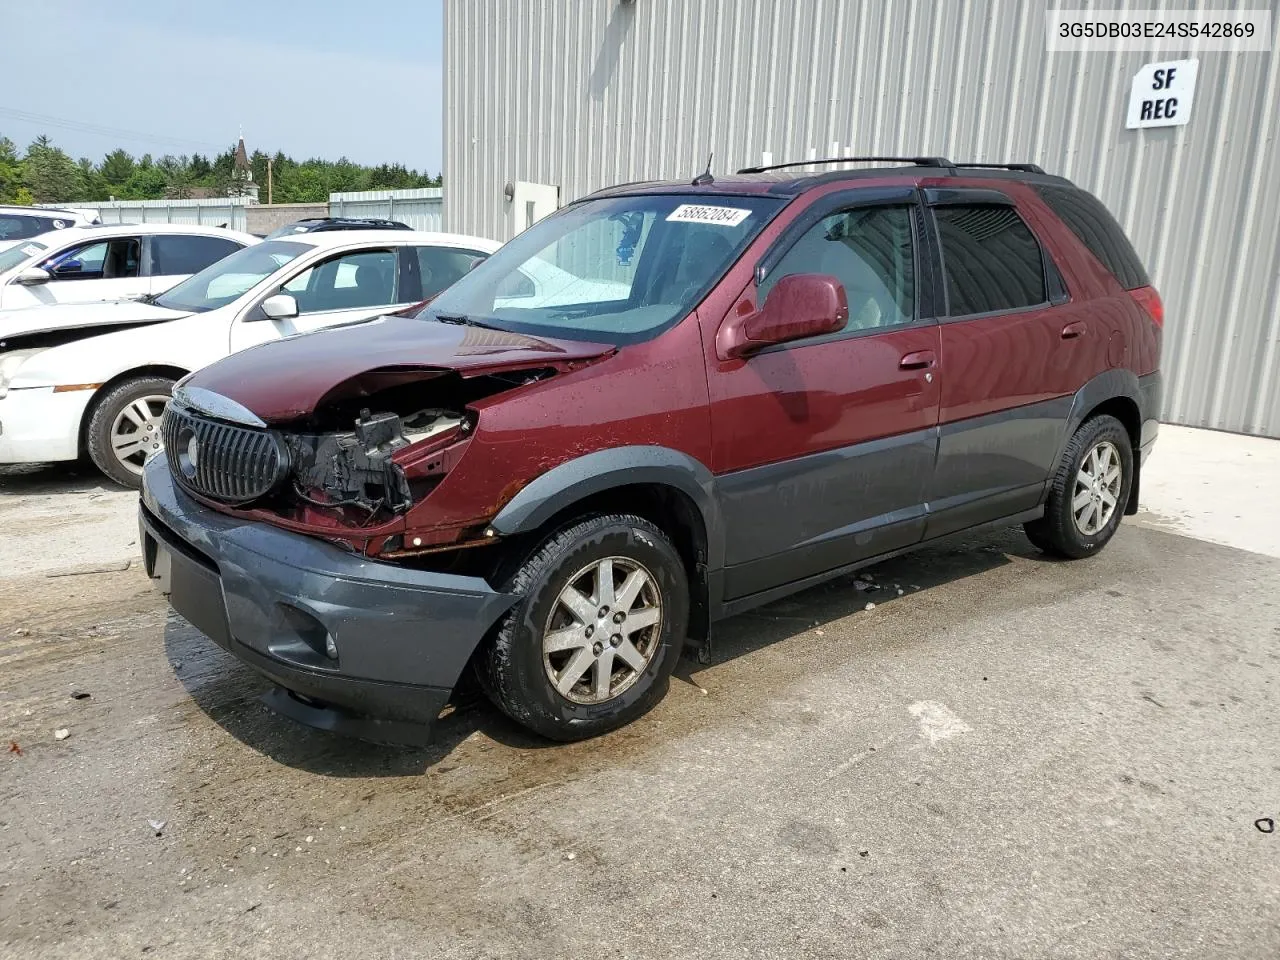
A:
{"points": [[32, 276], [800, 305], [475, 262], [281, 306]]}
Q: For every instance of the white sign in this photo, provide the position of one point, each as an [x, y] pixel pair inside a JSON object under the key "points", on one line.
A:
{"points": [[1162, 94], [700, 213]]}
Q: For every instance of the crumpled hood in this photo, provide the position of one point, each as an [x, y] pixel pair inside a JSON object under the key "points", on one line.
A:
{"points": [[287, 379], [71, 316]]}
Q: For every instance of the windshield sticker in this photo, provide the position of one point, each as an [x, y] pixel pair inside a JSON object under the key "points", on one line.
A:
{"points": [[718, 216], [31, 249]]}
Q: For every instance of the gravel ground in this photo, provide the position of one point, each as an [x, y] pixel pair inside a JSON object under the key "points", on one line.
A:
{"points": [[1015, 758]]}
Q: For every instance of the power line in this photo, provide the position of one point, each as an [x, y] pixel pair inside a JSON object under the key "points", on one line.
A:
{"points": [[105, 131]]}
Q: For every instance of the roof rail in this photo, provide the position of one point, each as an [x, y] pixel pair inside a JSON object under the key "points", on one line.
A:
{"points": [[1023, 167], [914, 161]]}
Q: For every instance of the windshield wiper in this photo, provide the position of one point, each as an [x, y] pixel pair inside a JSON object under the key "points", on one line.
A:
{"points": [[150, 298], [463, 320]]}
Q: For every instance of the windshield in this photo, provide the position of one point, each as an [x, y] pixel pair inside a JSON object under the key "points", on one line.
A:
{"points": [[616, 270], [221, 282], [20, 254]]}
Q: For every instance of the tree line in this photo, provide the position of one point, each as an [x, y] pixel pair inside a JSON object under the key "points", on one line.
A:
{"points": [[46, 174]]}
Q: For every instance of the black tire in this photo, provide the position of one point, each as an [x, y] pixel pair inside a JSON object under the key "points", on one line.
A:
{"points": [[105, 411], [1057, 532], [511, 667]]}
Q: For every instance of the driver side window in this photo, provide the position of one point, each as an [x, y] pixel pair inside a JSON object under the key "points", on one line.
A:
{"points": [[104, 260], [364, 278], [869, 250]]}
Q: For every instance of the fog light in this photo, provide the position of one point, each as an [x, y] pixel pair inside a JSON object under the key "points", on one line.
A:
{"points": [[330, 647]]}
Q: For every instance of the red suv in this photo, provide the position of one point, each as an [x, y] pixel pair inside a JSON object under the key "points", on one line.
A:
{"points": [[661, 406]]}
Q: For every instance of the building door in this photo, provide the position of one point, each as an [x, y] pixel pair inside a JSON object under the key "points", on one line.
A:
{"points": [[532, 202]]}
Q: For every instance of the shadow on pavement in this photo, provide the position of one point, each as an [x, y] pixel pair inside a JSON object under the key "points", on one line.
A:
{"points": [[46, 479], [228, 691]]}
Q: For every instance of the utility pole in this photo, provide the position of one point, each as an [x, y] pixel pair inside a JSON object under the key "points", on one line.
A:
{"points": [[269, 200]]}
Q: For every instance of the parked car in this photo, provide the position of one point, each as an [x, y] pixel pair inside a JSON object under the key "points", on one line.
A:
{"points": [[21, 223], [95, 263], [103, 393], [794, 375], [324, 224]]}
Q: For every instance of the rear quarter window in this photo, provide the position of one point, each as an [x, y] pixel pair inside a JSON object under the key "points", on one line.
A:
{"points": [[1095, 227]]}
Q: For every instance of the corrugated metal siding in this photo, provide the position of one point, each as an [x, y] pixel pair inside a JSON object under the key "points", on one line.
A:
{"points": [[420, 209], [587, 93], [210, 213]]}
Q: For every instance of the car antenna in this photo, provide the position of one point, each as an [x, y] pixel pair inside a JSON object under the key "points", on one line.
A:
{"points": [[705, 177]]}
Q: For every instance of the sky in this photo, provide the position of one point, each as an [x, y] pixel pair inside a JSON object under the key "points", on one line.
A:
{"points": [[321, 78]]}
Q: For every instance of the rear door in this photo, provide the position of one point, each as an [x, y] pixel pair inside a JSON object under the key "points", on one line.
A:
{"points": [[428, 269], [1008, 348], [823, 448], [172, 257]]}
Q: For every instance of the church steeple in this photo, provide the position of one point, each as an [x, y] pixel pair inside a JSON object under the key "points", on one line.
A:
{"points": [[242, 172]]}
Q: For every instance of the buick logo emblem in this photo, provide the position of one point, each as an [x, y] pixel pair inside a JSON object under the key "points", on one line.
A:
{"points": [[188, 454]]}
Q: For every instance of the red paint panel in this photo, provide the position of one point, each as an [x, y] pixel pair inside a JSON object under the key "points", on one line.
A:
{"points": [[647, 393], [808, 398], [286, 379]]}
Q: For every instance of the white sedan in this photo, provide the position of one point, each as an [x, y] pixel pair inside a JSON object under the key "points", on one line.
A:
{"points": [[104, 393], [94, 263]]}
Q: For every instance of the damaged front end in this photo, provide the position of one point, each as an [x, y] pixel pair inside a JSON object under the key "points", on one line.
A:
{"points": [[358, 469], [377, 445]]}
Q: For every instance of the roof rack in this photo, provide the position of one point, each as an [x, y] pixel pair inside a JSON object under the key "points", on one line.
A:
{"points": [[1022, 167], [914, 161]]}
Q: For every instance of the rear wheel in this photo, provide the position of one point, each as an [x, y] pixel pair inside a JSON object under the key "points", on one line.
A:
{"points": [[124, 429], [601, 621], [1089, 491]]}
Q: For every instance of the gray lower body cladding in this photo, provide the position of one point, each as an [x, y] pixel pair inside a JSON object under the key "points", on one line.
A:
{"points": [[283, 602]]}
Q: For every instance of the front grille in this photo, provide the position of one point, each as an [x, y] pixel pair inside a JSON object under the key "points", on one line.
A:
{"points": [[221, 460]]}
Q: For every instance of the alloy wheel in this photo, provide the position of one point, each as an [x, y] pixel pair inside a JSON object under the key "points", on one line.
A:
{"points": [[135, 432], [1097, 488], [603, 630]]}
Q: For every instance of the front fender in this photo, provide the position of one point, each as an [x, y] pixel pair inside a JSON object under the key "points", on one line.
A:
{"points": [[594, 473]]}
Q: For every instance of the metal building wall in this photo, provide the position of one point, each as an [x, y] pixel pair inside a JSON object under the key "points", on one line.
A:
{"points": [[419, 208], [586, 93], [209, 212]]}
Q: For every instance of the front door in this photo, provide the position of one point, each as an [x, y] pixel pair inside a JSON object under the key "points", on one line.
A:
{"points": [[89, 272], [823, 448], [344, 288]]}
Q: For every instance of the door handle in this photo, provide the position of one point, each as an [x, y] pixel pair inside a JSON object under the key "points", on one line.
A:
{"points": [[1074, 329], [918, 360]]}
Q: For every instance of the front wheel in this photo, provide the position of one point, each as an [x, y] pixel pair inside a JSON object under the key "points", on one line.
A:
{"points": [[600, 624], [1088, 493], [124, 429]]}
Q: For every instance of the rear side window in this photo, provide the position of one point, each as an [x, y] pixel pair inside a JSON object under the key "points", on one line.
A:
{"points": [[19, 226], [441, 267], [178, 254], [1094, 226], [991, 260]]}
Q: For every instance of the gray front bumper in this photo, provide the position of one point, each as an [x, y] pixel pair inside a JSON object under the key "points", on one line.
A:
{"points": [[272, 598]]}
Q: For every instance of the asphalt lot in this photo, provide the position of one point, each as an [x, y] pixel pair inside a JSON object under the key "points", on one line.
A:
{"points": [[1020, 758]]}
